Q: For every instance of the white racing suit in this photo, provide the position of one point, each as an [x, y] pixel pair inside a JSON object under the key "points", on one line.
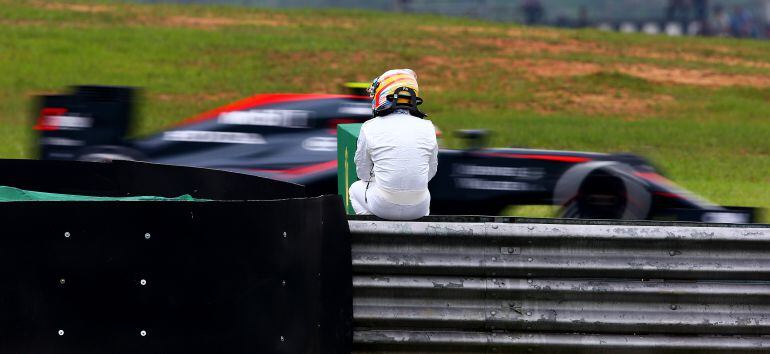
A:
{"points": [[396, 156]]}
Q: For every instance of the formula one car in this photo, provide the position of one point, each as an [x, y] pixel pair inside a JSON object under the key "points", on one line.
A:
{"points": [[292, 137]]}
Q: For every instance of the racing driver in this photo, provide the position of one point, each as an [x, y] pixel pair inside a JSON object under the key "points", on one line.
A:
{"points": [[396, 153]]}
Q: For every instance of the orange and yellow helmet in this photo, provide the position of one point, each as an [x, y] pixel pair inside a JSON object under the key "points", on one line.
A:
{"points": [[395, 88]]}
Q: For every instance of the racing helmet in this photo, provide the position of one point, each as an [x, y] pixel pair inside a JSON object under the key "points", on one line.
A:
{"points": [[395, 89]]}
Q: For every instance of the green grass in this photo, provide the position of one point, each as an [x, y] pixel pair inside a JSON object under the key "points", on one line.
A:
{"points": [[637, 93]]}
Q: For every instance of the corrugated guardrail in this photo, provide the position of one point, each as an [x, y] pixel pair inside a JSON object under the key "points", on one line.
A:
{"points": [[560, 287]]}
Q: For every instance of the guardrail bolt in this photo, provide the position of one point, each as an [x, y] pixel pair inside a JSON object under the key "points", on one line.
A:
{"points": [[529, 313], [529, 281], [284, 234], [674, 307], [494, 313], [67, 234], [143, 282], [62, 281], [529, 259], [61, 332], [147, 236], [283, 282], [494, 226], [283, 339], [142, 333]]}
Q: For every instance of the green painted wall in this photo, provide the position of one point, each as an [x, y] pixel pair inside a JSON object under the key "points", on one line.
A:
{"points": [[347, 136]]}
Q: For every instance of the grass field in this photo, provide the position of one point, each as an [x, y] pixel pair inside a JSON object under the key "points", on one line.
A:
{"points": [[699, 108]]}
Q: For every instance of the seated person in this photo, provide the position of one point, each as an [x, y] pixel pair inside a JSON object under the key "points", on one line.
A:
{"points": [[397, 152]]}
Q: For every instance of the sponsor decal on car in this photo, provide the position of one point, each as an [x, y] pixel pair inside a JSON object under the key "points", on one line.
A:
{"points": [[202, 136], [357, 109], [483, 184], [267, 117], [466, 176], [320, 143], [60, 119], [527, 173], [61, 141]]}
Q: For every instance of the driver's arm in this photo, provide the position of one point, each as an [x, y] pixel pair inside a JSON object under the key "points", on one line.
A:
{"points": [[364, 164], [433, 163]]}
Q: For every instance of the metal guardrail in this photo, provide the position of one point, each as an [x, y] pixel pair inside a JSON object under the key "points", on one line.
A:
{"points": [[583, 287]]}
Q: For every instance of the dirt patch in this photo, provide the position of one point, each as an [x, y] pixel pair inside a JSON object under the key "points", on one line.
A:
{"points": [[333, 68], [89, 8], [518, 46], [523, 32], [526, 41], [508, 41], [22, 22], [438, 44], [529, 67], [435, 61], [216, 22], [556, 68], [445, 74], [265, 20], [693, 77], [451, 74], [690, 57], [144, 16], [44, 23], [460, 69], [617, 103], [338, 22]]}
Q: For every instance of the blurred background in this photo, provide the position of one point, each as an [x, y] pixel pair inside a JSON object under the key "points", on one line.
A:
{"points": [[684, 83], [737, 18]]}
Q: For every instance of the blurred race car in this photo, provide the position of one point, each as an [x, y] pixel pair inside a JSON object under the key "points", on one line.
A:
{"points": [[292, 137]]}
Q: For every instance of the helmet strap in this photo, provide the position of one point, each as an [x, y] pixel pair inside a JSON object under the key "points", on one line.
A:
{"points": [[414, 101]]}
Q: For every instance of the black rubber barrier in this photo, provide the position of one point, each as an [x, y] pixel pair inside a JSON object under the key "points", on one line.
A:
{"points": [[129, 178], [269, 276]]}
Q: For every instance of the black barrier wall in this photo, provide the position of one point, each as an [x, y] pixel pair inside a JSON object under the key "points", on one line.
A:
{"points": [[175, 277], [239, 276], [130, 178]]}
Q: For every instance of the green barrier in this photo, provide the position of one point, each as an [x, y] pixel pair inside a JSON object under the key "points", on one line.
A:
{"points": [[347, 137], [11, 194]]}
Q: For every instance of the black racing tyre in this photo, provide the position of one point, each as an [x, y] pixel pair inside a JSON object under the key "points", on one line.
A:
{"points": [[603, 191]]}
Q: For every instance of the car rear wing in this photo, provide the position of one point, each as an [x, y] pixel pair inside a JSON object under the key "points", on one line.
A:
{"points": [[90, 115]]}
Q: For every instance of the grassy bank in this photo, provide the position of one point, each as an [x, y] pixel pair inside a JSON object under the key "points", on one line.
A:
{"points": [[699, 108]]}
